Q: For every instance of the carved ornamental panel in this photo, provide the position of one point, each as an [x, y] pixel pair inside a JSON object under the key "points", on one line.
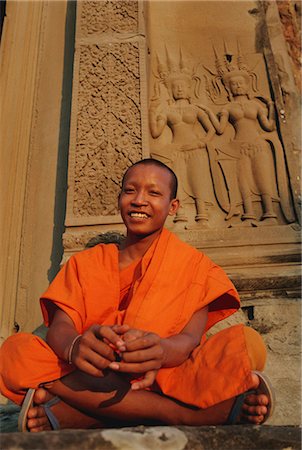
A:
{"points": [[108, 125], [107, 122], [109, 16]]}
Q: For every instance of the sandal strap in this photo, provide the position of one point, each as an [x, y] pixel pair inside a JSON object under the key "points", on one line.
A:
{"points": [[237, 407], [50, 415]]}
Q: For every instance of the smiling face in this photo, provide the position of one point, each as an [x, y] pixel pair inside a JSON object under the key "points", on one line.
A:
{"points": [[145, 200]]}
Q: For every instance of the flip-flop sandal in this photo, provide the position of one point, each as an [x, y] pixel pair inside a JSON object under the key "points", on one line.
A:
{"points": [[28, 403], [265, 387]]}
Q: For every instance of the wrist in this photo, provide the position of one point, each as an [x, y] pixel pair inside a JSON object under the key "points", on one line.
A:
{"points": [[71, 348], [163, 343]]}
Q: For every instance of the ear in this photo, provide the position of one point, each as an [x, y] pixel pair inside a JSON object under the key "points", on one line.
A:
{"points": [[174, 205]]}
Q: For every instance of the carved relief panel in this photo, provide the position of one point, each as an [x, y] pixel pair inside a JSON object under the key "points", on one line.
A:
{"points": [[108, 125], [107, 110], [214, 123]]}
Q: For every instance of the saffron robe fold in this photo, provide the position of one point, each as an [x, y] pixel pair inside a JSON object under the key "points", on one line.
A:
{"points": [[174, 281]]}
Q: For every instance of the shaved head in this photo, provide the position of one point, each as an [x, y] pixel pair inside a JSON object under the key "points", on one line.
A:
{"points": [[157, 163]]}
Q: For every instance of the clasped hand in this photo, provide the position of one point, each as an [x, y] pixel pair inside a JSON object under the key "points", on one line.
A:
{"points": [[121, 349]]}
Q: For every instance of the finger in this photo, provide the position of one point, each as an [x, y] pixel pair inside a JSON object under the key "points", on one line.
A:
{"points": [[88, 346], [90, 368], [111, 336], [133, 334], [135, 367], [120, 329], [147, 354], [99, 357], [147, 381], [146, 341]]}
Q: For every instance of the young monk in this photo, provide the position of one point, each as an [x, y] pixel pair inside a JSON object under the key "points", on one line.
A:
{"points": [[126, 342]]}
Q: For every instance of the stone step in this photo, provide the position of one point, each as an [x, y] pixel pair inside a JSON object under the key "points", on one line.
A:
{"points": [[238, 437]]}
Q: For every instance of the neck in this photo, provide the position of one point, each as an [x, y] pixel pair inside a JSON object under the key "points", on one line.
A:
{"points": [[182, 101], [134, 247], [239, 98]]}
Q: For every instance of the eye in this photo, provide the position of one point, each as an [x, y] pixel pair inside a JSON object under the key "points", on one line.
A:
{"points": [[155, 193], [128, 190]]}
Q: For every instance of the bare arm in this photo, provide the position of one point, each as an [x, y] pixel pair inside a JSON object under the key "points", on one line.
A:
{"points": [[92, 352], [61, 333], [207, 125], [218, 123], [158, 121], [267, 122], [178, 348]]}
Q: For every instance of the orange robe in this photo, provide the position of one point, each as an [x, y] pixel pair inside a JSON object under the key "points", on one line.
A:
{"points": [[172, 281]]}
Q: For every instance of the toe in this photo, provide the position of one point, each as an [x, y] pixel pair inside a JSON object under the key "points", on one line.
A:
{"points": [[41, 396], [37, 420], [32, 412], [40, 424], [256, 420], [256, 399], [40, 428], [254, 410], [36, 412]]}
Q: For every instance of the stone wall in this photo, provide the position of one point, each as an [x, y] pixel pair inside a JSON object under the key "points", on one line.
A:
{"points": [[35, 68], [239, 179]]}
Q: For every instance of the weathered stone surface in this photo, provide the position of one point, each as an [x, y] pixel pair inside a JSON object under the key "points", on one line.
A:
{"points": [[159, 438], [279, 323]]}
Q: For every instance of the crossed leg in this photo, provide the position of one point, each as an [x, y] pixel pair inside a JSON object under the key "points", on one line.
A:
{"points": [[89, 402], [97, 402]]}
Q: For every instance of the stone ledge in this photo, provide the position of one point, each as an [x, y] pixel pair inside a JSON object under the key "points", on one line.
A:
{"points": [[240, 437]]}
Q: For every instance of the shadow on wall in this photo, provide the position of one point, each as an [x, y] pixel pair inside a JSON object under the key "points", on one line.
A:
{"points": [[62, 162]]}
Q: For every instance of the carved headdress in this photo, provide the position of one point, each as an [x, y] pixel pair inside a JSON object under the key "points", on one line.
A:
{"points": [[227, 67], [171, 71]]}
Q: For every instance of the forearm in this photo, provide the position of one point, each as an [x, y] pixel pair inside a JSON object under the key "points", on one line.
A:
{"points": [[177, 349], [267, 124], [60, 337], [157, 126]]}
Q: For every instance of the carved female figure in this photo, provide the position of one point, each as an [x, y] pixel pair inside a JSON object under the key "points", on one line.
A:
{"points": [[191, 129], [252, 163]]}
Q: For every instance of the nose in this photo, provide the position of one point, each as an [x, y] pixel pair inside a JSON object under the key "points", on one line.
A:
{"points": [[140, 198]]}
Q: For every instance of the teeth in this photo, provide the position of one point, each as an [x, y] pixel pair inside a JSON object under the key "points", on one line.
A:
{"points": [[139, 215]]}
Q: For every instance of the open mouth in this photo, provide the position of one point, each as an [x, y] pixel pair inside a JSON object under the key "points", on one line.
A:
{"points": [[138, 215]]}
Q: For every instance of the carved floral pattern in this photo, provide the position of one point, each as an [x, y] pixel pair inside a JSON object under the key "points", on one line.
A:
{"points": [[109, 16], [108, 125]]}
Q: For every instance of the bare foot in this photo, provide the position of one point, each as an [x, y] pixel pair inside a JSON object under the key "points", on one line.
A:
{"points": [[255, 406], [37, 418], [67, 416], [253, 411]]}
